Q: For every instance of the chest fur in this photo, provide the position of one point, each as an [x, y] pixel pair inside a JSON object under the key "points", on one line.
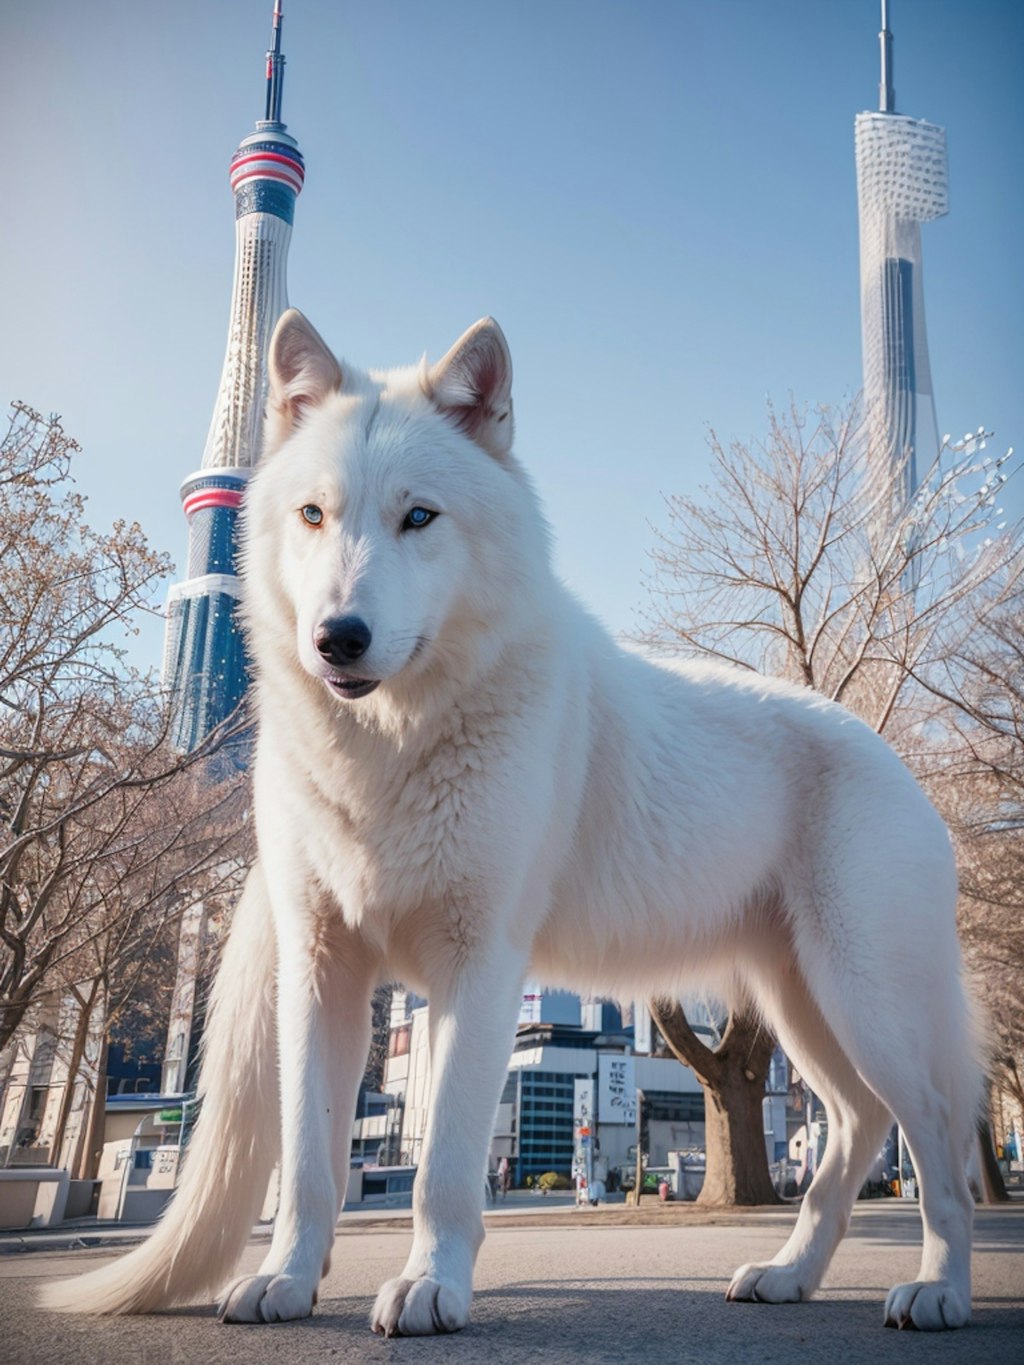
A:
{"points": [[408, 830]]}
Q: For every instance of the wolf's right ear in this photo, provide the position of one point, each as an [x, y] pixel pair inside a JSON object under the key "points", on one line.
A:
{"points": [[302, 373]]}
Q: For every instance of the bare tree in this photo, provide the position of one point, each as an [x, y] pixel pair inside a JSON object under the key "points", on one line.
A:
{"points": [[191, 845], [105, 827], [984, 806], [791, 562]]}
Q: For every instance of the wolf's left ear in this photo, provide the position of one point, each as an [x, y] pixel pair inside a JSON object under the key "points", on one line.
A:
{"points": [[302, 372], [472, 386]]}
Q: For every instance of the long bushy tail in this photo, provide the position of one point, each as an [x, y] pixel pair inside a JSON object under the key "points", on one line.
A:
{"points": [[191, 1252]]}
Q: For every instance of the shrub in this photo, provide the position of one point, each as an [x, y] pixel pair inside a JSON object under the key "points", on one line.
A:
{"points": [[551, 1180]]}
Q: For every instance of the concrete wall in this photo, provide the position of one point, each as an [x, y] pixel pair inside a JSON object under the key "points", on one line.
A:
{"points": [[32, 1198]]}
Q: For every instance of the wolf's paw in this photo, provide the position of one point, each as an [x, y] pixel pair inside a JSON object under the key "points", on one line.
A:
{"points": [[266, 1298], [419, 1308], [765, 1283], [929, 1305]]}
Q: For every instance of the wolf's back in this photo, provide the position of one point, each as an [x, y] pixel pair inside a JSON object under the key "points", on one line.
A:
{"points": [[192, 1250]]}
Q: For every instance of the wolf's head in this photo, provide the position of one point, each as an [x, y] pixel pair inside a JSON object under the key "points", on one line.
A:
{"points": [[391, 537]]}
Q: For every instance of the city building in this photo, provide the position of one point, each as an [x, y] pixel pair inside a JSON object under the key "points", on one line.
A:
{"points": [[902, 182], [565, 1047], [34, 1070]]}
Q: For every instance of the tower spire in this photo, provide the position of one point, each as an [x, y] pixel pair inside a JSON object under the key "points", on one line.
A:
{"points": [[902, 182], [886, 93], [275, 69], [204, 661]]}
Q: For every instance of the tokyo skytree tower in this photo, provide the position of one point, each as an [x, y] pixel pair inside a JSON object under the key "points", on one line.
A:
{"points": [[204, 664], [902, 182]]}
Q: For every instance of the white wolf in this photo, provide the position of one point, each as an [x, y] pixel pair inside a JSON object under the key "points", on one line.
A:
{"points": [[460, 780]]}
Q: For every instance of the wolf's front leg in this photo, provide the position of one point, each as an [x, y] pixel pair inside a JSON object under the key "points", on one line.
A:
{"points": [[325, 981], [472, 1023]]}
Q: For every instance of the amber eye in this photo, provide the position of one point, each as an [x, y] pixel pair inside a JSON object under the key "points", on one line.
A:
{"points": [[312, 514]]}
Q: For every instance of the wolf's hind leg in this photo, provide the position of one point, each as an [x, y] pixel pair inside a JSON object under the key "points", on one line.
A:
{"points": [[324, 989], [901, 1017], [857, 1124], [911, 1037]]}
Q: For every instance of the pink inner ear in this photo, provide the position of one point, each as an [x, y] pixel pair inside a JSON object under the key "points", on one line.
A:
{"points": [[468, 419], [303, 370], [294, 405], [476, 378], [487, 374], [471, 387]]}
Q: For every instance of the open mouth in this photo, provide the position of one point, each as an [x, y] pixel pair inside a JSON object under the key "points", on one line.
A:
{"points": [[352, 688]]}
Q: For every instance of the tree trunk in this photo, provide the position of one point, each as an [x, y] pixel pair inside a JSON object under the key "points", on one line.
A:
{"points": [[92, 1147], [733, 1078], [736, 1160], [81, 1037], [993, 1186]]}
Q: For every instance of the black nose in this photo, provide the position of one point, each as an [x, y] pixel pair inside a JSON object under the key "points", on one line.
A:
{"points": [[342, 639]]}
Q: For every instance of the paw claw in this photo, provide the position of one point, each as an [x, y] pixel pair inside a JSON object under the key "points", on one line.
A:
{"points": [[766, 1283], [926, 1305], [421, 1307], [266, 1298]]}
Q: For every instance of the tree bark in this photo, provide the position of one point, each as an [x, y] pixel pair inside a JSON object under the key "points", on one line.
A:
{"points": [[736, 1161], [92, 1147], [733, 1078], [993, 1186], [85, 1004]]}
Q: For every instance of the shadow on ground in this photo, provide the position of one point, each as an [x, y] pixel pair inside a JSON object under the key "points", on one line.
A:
{"points": [[617, 1319]]}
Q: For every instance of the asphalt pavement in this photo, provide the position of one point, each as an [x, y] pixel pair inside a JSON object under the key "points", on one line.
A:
{"points": [[559, 1285]]}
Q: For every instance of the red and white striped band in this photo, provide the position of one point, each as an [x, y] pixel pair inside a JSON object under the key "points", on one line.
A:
{"points": [[267, 166], [211, 497]]}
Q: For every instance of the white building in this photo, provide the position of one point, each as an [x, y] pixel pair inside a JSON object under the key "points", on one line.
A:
{"points": [[33, 1084]]}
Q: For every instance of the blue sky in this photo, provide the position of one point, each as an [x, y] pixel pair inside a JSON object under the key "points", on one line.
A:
{"points": [[656, 199]]}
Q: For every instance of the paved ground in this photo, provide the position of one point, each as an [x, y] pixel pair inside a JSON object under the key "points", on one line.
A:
{"points": [[558, 1286]]}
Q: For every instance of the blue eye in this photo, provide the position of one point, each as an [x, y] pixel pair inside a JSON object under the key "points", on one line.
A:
{"points": [[312, 514], [418, 517]]}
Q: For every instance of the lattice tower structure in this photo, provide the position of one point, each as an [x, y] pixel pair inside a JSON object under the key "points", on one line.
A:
{"points": [[902, 182], [204, 661]]}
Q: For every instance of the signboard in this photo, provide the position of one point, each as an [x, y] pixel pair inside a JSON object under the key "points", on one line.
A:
{"points": [[583, 1104], [530, 1008], [616, 1077], [582, 1123]]}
